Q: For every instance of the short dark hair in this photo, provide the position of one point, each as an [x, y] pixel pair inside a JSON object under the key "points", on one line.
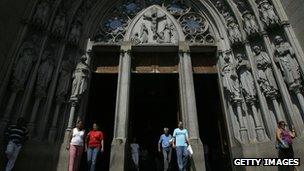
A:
{"points": [[281, 122]]}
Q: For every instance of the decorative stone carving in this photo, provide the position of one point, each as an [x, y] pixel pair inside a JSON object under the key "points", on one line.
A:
{"points": [[250, 25], [75, 32], [41, 14], [80, 79], [178, 8], [23, 66], [230, 80], [154, 16], [268, 16], [45, 72], [64, 80], [246, 78], [144, 33], [265, 75], [285, 57], [59, 24], [234, 32]]}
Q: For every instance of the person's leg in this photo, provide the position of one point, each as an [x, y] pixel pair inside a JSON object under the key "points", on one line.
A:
{"points": [[13, 154], [78, 157], [72, 156], [179, 156], [94, 157], [165, 155], [89, 157], [185, 157], [169, 157]]}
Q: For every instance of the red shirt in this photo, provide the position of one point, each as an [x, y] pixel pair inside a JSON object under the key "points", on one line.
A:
{"points": [[95, 138]]}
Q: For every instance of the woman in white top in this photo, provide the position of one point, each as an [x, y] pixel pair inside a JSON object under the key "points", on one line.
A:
{"points": [[76, 146]]}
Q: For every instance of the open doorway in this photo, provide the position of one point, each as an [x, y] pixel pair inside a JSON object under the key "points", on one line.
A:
{"points": [[212, 127], [154, 102], [101, 109]]}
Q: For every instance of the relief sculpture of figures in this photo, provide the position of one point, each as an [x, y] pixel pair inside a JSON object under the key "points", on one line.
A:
{"points": [[154, 17], [144, 33], [41, 14], [285, 57], [268, 16], [245, 76], [45, 72], [167, 32], [250, 24], [230, 80], [64, 80], [23, 65], [80, 78], [234, 32], [265, 75]]}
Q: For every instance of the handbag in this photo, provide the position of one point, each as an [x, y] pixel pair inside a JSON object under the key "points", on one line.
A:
{"points": [[189, 149], [282, 145]]}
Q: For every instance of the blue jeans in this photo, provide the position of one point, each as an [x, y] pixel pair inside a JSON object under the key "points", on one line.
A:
{"points": [[91, 157], [182, 157]]}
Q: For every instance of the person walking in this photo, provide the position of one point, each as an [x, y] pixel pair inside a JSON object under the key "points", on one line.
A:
{"points": [[16, 135], [135, 153], [94, 145], [181, 142], [284, 143], [76, 146], [164, 146]]}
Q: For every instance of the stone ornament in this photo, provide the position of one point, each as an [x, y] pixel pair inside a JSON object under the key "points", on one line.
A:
{"points": [[234, 32], [250, 24], [265, 75], [80, 79], [230, 80], [23, 65], [75, 32], [285, 57], [41, 14], [268, 16], [59, 24], [246, 79], [45, 72]]}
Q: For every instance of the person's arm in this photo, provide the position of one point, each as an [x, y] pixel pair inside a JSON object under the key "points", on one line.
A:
{"points": [[292, 133], [87, 138], [187, 137], [102, 145], [174, 136], [159, 142], [69, 140]]}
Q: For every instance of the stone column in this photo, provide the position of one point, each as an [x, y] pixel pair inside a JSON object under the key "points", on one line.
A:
{"points": [[31, 124], [53, 129], [296, 120], [6, 116], [243, 130], [119, 142], [189, 107]]}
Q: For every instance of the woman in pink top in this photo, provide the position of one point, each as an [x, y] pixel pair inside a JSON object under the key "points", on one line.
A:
{"points": [[76, 146]]}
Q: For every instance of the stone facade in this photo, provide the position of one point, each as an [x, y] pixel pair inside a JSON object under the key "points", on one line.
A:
{"points": [[260, 66]]}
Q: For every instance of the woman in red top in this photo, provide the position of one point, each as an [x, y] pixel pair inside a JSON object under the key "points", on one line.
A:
{"points": [[94, 144]]}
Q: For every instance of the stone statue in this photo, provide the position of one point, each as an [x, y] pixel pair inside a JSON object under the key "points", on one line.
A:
{"points": [[268, 16], [234, 33], [230, 80], [45, 72], [135, 39], [59, 24], [144, 33], [154, 17], [75, 32], [41, 14], [167, 32], [23, 66], [64, 80], [245, 76], [265, 75], [285, 57], [80, 78], [250, 24]]}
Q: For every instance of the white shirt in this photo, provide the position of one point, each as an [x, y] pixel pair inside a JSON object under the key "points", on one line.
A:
{"points": [[77, 137], [134, 148]]}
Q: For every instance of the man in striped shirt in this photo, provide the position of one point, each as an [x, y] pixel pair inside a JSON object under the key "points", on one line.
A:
{"points": [[16, 135]]}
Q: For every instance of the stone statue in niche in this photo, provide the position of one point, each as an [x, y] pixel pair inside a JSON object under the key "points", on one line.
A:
{"points": [[265, 75], [59, 24], [245, 76], [144, 33], [154, 17], [80, 78], [250, 24], [285, 57], [75, 32], [230, 80], [23, 66], [64, 79], [268, 16], [45, 72], [234, 32], [41, 14]]}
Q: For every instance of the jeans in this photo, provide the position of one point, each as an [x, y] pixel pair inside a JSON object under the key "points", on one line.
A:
{"points": [[75, 154], [182, 157], [91, 157], [135, 158], [12, 151], [167, 157]]}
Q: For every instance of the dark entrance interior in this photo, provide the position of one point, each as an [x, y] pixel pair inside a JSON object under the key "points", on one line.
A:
{"points": [[211, 122], [101, 109], [154, 105]]}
